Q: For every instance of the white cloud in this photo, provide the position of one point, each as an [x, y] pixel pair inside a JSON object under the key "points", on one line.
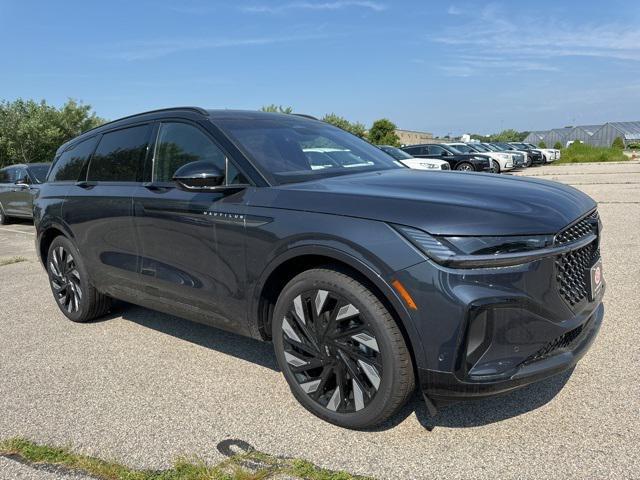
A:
{"points": [[453, 10], [335, 5], [532, 42], [156, 49]]}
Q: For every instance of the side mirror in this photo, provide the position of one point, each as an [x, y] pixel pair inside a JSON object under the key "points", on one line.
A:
{"points": [[23, 182], [444, 154], [199, 176]]}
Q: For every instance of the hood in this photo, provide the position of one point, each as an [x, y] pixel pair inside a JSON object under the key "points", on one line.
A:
{"points": [[438, 202]]}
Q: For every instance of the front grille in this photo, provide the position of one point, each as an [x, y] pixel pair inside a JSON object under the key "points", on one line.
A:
{"points": [[565, 340], [572, 267], [584, 227]]}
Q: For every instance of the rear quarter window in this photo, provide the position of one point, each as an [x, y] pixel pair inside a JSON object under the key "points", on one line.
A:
{"points": [[70, 164]]}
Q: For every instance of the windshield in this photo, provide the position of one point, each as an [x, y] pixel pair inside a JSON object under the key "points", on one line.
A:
{"points": [[479, 148], [462, 148], [39, 172], [491, 148], [503, 146], [290, 149], [451, 149], [521, 146], [396, 153]]}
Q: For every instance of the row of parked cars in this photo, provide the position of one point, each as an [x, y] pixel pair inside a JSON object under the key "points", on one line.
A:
{"points": [[472, 156]]}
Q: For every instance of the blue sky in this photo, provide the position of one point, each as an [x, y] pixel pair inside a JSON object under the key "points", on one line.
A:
{"points": [[445, 67]]}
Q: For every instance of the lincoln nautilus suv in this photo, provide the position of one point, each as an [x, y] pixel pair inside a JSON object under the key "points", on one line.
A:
{"points": [[370, 279]]}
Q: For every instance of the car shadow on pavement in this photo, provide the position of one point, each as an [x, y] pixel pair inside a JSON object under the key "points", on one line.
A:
{"points": [[461, 415], [489, 410], [245, 348]]}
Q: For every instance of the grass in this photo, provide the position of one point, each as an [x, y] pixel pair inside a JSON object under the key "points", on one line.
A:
{"points": [[11, 260], [582, 153], [252, 465]]}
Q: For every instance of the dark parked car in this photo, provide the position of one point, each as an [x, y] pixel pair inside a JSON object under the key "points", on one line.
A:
{"points": [[368, 277], [468, 162], [18, 185], [535, 156]]}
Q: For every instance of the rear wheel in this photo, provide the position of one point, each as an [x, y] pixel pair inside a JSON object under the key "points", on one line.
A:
{"points": [[340, 349], [3, 218], [465, 167], [496, 166], [69, 281]]}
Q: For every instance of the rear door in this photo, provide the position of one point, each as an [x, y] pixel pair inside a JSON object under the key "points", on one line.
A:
{"points": [[21, 198], [192, 243], [98, 209]]}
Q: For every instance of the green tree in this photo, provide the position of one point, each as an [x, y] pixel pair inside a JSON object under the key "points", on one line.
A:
{"points": [[541, 144], [276, 108], [509, 135], [383, 132], [557, 145], [618, 143], [32, 131], [356, 128]]}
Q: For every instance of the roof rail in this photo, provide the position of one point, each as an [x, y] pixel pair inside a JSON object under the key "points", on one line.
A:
{"points": [[304, 115], [202, 111]]}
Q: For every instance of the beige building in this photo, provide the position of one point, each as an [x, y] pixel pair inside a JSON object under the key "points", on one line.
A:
{"points": [[412, 137]]}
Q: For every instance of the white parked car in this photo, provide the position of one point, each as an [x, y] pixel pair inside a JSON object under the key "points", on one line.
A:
{"points": [[550, 154], [415, 163], [500, 161]]}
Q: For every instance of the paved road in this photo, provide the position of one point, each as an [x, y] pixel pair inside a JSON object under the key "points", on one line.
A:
{"points": [[144, 388]]}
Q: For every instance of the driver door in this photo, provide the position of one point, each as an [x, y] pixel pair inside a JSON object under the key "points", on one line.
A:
{"points": [[191, 244]]}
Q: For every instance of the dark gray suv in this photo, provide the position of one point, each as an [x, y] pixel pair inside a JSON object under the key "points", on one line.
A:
{"points": [[18, 185], [368, 277]]}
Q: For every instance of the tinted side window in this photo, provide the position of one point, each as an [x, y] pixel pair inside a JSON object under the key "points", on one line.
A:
{"points": [[433, 150], [71, 162], [179, 144], [412, 150], [119, 155]]}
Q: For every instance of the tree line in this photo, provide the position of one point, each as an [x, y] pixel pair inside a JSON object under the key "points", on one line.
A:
{"points": [[32, 131]]}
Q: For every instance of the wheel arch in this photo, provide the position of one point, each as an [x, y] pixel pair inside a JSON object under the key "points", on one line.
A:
{"points": [[297, 260], [46, 236]]}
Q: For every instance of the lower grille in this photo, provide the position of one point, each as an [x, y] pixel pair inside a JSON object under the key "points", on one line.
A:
{"points": [[566, 340]]}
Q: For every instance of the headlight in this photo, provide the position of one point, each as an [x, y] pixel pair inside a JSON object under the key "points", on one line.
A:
{"points": [[429, 165], [504, 156], [473, 252]]}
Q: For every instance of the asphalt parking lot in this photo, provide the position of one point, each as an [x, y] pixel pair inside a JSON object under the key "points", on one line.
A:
{"points": [[143, 388]]}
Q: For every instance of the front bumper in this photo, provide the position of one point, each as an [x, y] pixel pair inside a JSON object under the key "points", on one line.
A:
{"points": [[488, 331]]}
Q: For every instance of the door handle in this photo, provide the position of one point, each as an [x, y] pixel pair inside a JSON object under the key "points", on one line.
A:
{"points": [[155, 186]]}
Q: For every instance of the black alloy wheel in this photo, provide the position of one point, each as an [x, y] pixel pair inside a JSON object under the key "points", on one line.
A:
{"points": [[76, 297], [496, 166], [333, 355], [340, 350], [65, 280]]}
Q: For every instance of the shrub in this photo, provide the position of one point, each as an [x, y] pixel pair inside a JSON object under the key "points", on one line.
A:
{"points": [[542, 144], [581, 153], [618, 143], [557, 145], [634, 146]]}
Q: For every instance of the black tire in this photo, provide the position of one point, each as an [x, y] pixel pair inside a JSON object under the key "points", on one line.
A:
{"points": [[4, 220], [465, 167], [76, 298], [364, 353], [496, 166]]}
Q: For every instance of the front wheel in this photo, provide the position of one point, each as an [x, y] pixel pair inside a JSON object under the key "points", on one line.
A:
{"points": [[496, 166], [465, 167], [69, 281], [340, 350]]}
